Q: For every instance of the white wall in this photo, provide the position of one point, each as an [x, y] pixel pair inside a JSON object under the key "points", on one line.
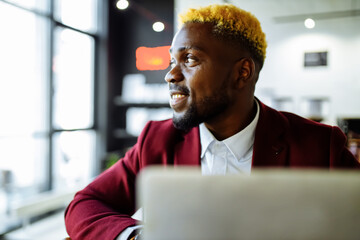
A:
{"points": [[284, 75], [182, 5]]}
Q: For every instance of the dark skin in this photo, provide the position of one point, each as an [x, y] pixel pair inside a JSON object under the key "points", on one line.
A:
{"points": [[207, 68]]}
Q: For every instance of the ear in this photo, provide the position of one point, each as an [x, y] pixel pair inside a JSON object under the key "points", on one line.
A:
{"points": [[245, 72]]}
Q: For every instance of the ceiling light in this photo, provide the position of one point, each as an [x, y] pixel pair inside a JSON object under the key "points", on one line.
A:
{"points": [[158, 27], [309, 23], [122, 4]]}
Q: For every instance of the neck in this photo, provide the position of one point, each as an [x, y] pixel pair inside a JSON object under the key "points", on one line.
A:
{"points": [[225, 127]]}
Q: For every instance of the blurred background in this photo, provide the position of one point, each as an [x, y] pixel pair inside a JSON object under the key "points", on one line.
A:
{"points": [[79, 79]]}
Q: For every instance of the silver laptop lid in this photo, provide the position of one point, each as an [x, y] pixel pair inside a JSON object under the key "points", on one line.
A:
{"points": [[270, 204]]}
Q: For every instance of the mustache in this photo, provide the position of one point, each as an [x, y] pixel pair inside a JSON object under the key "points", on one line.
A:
{"points": [[178, 88]]}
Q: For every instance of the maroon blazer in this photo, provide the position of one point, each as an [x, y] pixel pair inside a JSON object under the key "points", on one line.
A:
{"points": [[103, 209]]}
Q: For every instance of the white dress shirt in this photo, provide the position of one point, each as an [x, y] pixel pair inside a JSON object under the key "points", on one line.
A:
{"points": [[229, 156]]}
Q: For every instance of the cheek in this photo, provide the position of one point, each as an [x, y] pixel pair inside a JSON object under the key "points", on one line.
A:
{"points": [[206, 80], [197, 81]]}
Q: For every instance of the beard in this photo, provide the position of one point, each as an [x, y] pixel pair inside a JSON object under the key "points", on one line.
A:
{"points": [[202, 111]]}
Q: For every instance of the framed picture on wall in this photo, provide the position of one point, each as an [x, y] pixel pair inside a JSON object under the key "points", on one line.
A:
{"points": [[315, 59]]}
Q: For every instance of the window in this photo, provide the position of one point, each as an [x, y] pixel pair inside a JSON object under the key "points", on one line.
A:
{"points": [[47, 97], [73, 79], [68, 12]]}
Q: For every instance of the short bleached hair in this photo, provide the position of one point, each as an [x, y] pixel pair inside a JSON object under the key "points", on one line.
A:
{"points": [[233, 23]]}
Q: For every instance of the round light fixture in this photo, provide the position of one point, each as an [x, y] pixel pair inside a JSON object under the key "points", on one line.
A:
{"points": [[158, 26], [122, 4], [309, 23]]}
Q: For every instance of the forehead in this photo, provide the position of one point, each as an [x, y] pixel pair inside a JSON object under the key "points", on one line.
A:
{"points": [[199, 36], [196, 36]]}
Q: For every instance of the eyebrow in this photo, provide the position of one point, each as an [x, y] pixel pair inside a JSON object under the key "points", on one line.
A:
{"points": [[187, 48]]}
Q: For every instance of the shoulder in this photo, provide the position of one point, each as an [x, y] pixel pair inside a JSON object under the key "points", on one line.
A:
{"points": [[295, 123], [308, 143], [302, 123], [298, 131]]}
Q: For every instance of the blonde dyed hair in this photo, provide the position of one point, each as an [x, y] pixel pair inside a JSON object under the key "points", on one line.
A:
{"points": [[232, 23]]}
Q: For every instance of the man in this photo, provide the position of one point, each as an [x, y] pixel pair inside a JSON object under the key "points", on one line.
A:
{"points": [[218, 124]]}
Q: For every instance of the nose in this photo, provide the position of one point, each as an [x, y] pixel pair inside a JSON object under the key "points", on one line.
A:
{"points": [[174, 75]]}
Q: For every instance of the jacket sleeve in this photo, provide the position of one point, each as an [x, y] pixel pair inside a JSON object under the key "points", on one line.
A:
{"points": [[340, 156], [103, 209]]}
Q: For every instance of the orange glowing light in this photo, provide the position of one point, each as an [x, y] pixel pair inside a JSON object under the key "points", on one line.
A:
{"points": [[156, 58]]}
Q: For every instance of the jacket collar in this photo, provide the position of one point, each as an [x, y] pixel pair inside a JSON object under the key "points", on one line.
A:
{"points": [[270, 148], [187, 151]]}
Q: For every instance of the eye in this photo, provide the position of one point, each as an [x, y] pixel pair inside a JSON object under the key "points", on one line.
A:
{"points": [[191, 59]]}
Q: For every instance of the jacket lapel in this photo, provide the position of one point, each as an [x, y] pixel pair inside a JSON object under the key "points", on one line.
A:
{"points": [[187, 150], [270, 147]]}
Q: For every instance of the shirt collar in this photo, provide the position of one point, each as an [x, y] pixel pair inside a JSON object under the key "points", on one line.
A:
{"points": [[237, 144], [206, 138]]}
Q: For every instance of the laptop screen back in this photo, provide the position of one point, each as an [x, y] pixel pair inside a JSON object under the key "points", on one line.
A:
{"points": [[270, 204]]}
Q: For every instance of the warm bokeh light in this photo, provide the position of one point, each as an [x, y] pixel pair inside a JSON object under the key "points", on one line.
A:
{"points": [[156, 58]]}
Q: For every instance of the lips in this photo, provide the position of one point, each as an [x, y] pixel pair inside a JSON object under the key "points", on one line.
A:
{"points": [[177, 100], [178, 97]]}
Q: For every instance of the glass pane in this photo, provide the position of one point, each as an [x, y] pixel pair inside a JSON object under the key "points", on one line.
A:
{"points": [[74, 158], [39, 5], [23, 71], [80, 14], [23, 106], [23, 173], [73, 80], [24, 158]]}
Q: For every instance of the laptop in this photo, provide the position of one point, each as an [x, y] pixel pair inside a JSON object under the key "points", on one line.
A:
{"points": [[180, 203]]}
